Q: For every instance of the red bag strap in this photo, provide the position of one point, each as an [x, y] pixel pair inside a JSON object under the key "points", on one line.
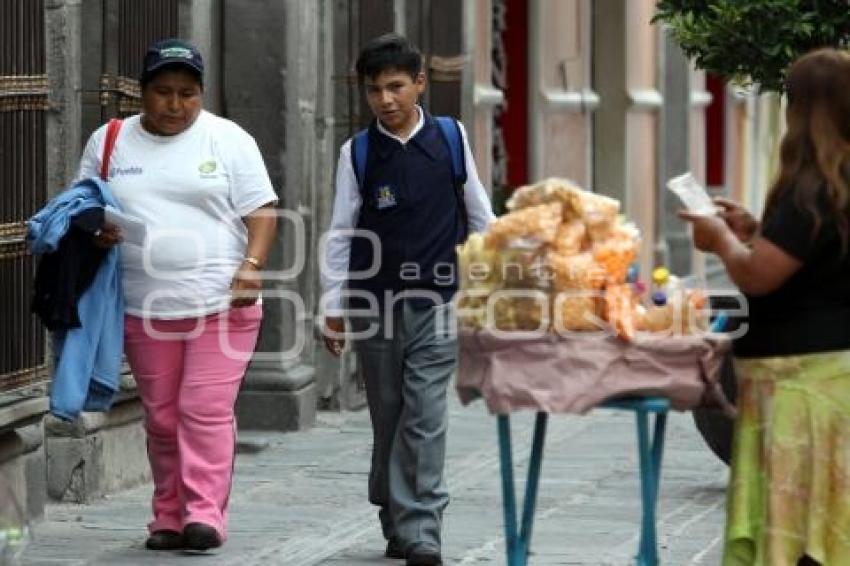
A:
{"points": [[112, 130]]}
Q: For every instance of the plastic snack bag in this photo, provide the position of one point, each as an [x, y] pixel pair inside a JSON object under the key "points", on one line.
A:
{"points": [[598, 212], [527, 282], [535, 222], [479, 277], [571, 237], [547, 191], [617, 252], [578, 279], [620, 310]]}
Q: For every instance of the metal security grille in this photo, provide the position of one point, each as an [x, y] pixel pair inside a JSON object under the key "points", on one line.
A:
{"points": [[139, 23], [23, 184]]}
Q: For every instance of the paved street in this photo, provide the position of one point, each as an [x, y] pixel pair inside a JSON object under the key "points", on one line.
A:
{"points": [[301, 499]]}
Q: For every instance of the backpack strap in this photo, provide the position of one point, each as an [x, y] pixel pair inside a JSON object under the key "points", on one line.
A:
{"points": [[454, 140], [359, 156], [451, 133], [112, 130]]}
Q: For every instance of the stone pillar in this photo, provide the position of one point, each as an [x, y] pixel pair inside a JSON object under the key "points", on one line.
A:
{"points": [[270, 88], [609, 79], [561, 101], [338, 386], [64, 33], [22, 455], [480, 96], [626, 125], [700, 100], [674, 155], [201, 24]]}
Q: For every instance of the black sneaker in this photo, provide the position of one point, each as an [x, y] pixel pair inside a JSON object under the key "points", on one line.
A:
{"points": [[198, 536], [164, 540], [394, 550], [424, 556]]}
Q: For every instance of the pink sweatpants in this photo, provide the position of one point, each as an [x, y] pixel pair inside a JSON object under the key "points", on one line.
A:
{"points": [[188, 373]]}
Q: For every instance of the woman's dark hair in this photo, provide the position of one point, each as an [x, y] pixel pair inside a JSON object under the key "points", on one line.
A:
{"points": [[815, 151], [389, 52]]}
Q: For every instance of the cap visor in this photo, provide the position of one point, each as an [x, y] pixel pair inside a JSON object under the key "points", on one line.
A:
{"points": [[174, 63]]}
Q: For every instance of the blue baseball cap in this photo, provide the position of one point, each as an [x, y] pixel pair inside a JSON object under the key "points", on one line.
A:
{"points": [[171, 52]]}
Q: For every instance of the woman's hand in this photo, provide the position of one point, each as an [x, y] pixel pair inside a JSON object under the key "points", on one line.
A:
{"points": [[709, 231], [740, 221], [246, 286], [107, 236]]}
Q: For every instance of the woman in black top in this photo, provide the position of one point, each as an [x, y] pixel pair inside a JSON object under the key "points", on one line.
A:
{"points": [[789, 492]]}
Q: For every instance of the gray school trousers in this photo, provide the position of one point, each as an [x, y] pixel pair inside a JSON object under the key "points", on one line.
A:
{"points": [[407, 366]]}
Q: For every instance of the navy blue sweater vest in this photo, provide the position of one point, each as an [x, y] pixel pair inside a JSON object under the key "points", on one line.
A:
{"points": [[410, 203]]}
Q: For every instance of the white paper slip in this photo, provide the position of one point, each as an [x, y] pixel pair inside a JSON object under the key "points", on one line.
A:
{"points": [[692, 194], [133, 230]]}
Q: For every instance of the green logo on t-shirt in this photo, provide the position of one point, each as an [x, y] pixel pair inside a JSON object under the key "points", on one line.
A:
{"points": [[207, 167]]}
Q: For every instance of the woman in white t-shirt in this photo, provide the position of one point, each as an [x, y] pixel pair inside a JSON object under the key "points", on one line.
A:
{"points": [[191, 283]]}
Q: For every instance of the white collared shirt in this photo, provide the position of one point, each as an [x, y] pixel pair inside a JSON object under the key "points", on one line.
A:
{"points": [[346, 211]]}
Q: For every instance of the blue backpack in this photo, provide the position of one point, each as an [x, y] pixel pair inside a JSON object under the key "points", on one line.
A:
{"points": [[451, 135]]}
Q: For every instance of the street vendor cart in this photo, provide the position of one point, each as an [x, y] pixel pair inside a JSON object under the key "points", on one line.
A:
{"points": [[551, 374]]}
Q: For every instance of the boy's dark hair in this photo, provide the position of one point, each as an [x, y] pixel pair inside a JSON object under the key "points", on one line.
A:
{"points": [[389, 52]]}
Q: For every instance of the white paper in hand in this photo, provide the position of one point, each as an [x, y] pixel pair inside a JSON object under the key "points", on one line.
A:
{"points": [[133, 230], [692, 195]]}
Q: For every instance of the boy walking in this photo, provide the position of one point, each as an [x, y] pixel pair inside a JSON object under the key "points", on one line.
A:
{"points": [[409, 185]]}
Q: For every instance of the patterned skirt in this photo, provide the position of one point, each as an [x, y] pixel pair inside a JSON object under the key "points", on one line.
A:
{"points": [[789, 490]]}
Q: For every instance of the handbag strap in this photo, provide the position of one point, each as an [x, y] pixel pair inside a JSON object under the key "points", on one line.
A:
{"points": [[112, 130]]}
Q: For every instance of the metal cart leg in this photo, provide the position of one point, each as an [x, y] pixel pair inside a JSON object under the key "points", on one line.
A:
{"points": [[650, 473], [519, 544]]}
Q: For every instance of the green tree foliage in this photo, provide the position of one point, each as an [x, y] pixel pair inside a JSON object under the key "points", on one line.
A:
{"points": [[754, 41]]}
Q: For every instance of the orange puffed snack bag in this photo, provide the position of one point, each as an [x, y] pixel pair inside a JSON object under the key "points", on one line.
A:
{"points": [[578, 271], [535, 222], [598, 212], [571, 237], [549, 190], [615, 254], [577, 282], [620, 310]]}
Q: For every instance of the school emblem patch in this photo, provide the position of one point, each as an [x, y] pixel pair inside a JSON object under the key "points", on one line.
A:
{"points": [[385, 197], [207, 167]]}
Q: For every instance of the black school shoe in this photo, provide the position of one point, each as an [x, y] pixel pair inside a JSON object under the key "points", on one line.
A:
{"points": [[423, 556], [394, 550], [198, 536], [164, 540]]}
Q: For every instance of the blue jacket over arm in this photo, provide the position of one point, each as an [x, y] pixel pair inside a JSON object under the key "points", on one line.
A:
{"points": [[88, 359]]}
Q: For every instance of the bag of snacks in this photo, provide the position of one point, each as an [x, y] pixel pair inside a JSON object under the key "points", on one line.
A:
{"points": [[539, 223], [550, 190], [598, 212], [578, 279], [620, 309], [571, 237], [616, 253], [523, 303], [479, 278]]}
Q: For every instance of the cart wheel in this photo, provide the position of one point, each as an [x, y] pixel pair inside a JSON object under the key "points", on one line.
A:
{"points": [[714, 426]]}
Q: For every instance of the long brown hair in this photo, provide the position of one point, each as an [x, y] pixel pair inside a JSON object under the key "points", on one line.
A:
{"points": [[815, 151]]}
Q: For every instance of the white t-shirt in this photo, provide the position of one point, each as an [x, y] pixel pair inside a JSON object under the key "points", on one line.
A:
{"points": [[191, 191]]}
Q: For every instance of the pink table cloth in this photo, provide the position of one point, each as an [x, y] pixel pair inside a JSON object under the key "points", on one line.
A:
{"points": [[574, 374]]}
